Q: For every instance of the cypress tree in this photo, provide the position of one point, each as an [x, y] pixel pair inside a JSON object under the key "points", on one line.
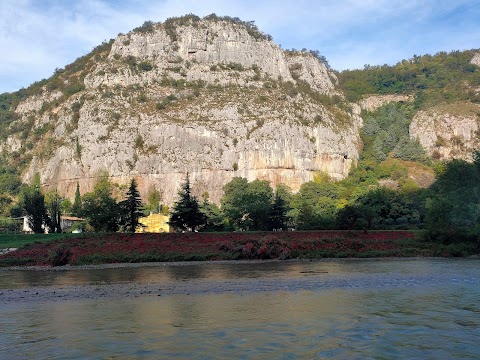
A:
{"points": [[77, 203]]}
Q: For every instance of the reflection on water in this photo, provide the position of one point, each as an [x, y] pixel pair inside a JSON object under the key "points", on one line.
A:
{"points": [[433, 321]]}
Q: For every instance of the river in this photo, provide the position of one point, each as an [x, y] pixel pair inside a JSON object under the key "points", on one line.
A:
{"points": [[338, 309]]}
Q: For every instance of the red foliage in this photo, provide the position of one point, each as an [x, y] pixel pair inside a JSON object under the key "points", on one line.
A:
{"points": [[167, 247]]}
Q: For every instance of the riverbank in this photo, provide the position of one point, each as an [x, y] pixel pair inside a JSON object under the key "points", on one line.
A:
{"points": [[143, 248]]}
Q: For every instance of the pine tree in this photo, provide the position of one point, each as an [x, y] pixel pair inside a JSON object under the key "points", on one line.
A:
{"points": [[77, 203], [186, 215], [131, 208]]}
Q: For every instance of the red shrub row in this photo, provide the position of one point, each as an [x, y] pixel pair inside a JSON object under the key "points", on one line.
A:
{"points": [[164, 247]]}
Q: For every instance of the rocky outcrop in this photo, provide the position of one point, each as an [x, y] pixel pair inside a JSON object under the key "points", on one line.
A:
{"points": [[476, 59], [373, 102], [212, 100], [449, 131], [205, 51]]}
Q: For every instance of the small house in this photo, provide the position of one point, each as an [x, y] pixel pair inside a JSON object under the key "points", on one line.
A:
{"points": [[154, 223]]}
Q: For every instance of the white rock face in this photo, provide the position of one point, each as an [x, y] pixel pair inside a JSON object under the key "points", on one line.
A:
{"points": [[373, 102], [448, 132], [201, 48], [476, 59], [245, 123]]}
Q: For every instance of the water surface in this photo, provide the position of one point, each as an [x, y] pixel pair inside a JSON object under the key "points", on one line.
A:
{"points": [[355, 309]]}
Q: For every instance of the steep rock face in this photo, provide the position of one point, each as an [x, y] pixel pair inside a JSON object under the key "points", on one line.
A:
{"points": [[373, 102], [203, 51], [449, 131], [210, 100], [476, 59]]}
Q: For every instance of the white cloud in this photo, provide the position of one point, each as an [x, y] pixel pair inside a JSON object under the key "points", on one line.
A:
{"points": [[38, 36]]}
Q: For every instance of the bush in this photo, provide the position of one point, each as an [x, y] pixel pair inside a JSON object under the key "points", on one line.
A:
{"points": [[145, 66], [147, 27]]}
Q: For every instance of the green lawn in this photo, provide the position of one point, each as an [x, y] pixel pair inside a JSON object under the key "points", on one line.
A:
{"points": [[19, 240]]}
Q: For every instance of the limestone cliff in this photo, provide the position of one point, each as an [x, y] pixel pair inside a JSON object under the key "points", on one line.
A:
{"points": [[213, 97], [448, 131], [373, 102]]}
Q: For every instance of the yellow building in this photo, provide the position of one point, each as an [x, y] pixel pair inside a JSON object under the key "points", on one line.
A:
{"points": [[154, 223]]}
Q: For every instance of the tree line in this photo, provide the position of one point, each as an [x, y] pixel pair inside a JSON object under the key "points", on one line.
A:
{"points": [[100, 209], [448, 210]]}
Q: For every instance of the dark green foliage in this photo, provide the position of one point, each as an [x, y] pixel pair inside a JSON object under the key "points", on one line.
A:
{"points": [[213, 215], [233, 203], [74, 86], [348, 217], [409, 150], [7, 116], [147, 27], [167, 100], [53, 206], [247, 205], [5, 203], [33, 203], [99, 207], [455, 203], [386, 131], [316, 204], [131, 208], [278, 213], [145, 66], [258, 199], [382, 208], [77, 202], [9, 178], [186, 214]]}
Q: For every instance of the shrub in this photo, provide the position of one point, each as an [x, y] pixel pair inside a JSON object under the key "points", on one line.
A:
{"points": [[147, 27]]}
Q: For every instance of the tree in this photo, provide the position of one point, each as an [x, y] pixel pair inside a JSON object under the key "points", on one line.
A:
{"points": [[5, 203], [247, 205], [258, 204], [77, 202], [154, 197], [348, 217], [33, 203], [186, 215], [53, 205], [234, 203], [214, 218], [278, 213], [131, 208], [455, 202], [99, 207]]}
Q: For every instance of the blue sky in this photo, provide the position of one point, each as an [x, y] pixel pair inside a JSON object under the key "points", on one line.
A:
{"points": [[37, 36]]}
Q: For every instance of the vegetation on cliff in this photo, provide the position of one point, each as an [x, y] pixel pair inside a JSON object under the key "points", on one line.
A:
{"points": [[432, 79]]}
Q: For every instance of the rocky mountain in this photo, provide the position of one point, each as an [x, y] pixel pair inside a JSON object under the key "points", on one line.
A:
{"points": [[217, 98], [214, 97]]}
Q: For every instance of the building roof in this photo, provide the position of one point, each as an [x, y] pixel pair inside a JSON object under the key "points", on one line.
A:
{"points": [[72, 218]]}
